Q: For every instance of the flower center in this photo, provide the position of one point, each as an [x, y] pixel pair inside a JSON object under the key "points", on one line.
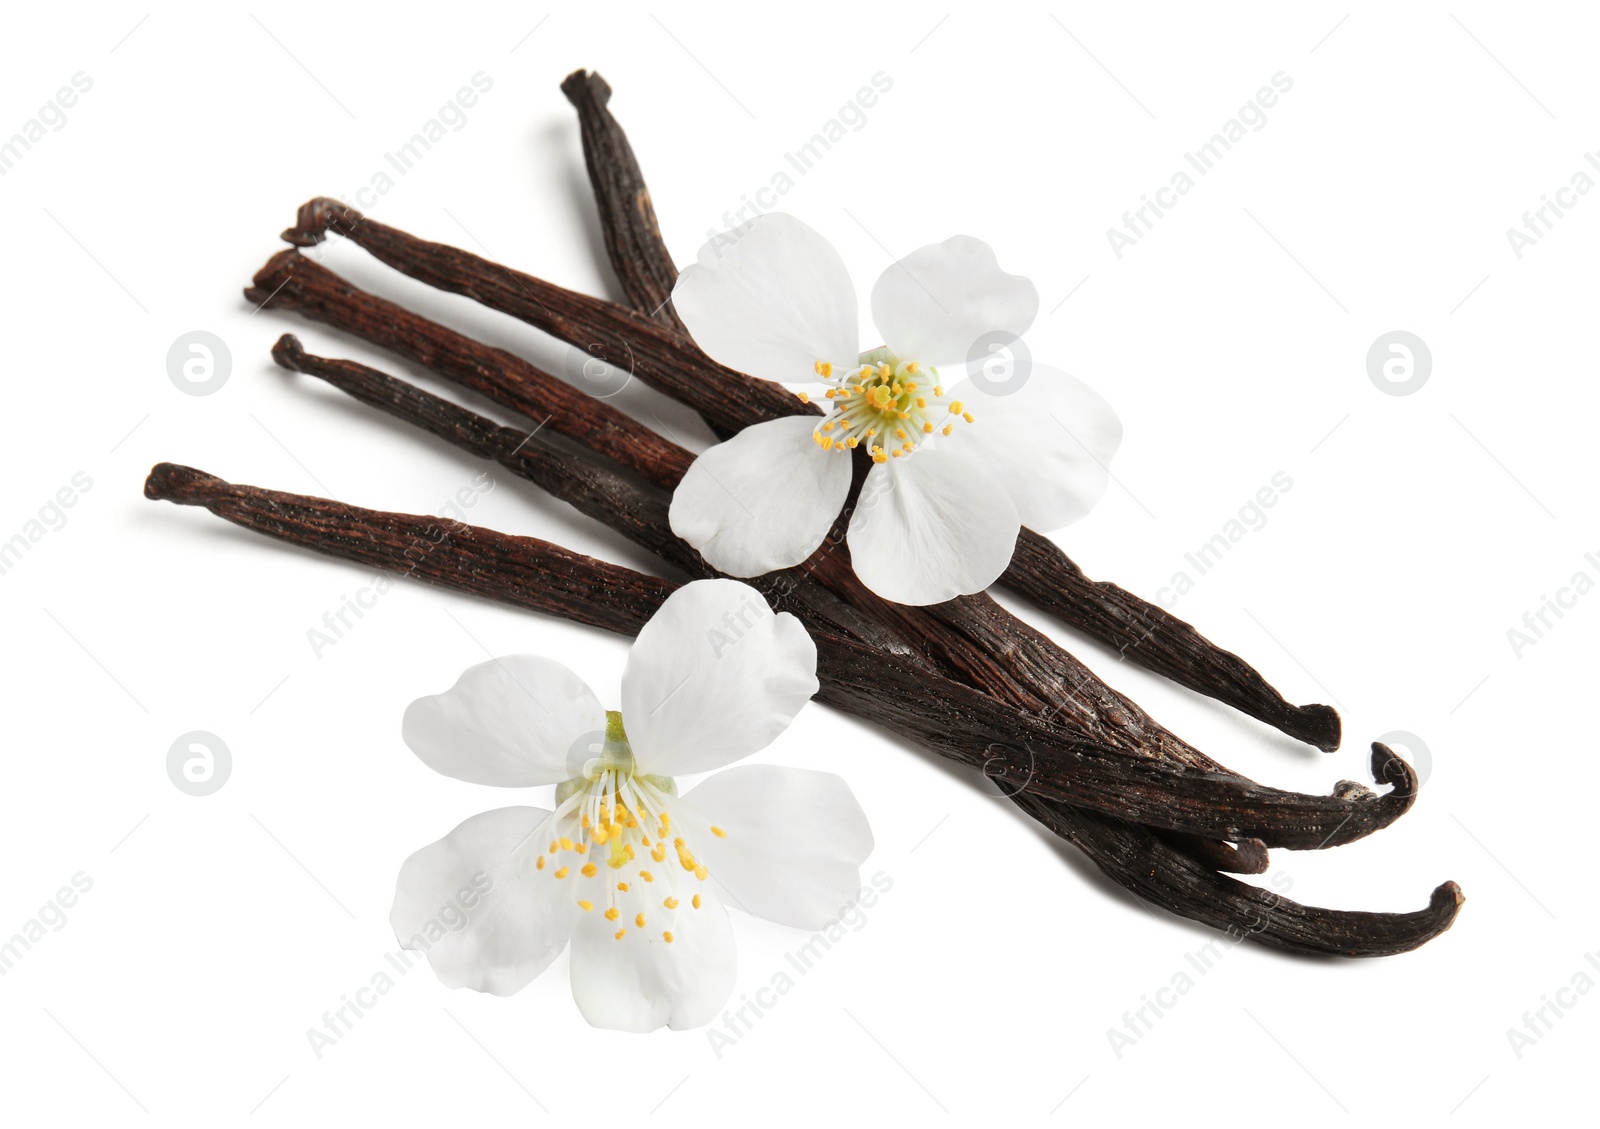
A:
{"points": [[614, 841], [885, 404]]}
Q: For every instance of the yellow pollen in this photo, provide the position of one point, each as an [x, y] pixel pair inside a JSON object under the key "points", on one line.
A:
{"points": [[620, 934], [611, 914], [555, 845], [647, 876], [562, 873], [938, 390], [948, 428], [805, 397], [700, 872], [623, 886], [566, 844], [659, 852], [927, 428], [851, 442], [899, 433], [955, 407], [911, 367], [967, 416], [921, 403], [667, 936], [878, 456], [589, 869], [582, 848], [719, 832], [585, 904], [697, 901], [639, 920], [824, 369], [540, 864], [671, 903], [897, 452]]}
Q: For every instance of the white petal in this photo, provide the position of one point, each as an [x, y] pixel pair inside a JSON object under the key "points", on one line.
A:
{"points": [[643, 981], [509, 722], [932, 526], [714, 676], [764, 500], [770, 298], [1049, 443], [794, 841], [474, 903], [935, 304]]}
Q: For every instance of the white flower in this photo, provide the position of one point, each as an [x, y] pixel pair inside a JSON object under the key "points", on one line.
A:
{"points": [[632, 873], [959, 469]]}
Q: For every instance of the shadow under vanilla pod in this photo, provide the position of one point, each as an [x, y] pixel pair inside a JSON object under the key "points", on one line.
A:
{"points": [[962, 678]]}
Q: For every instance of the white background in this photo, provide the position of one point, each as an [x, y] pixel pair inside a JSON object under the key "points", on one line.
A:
{"points": [[1232, 339]]}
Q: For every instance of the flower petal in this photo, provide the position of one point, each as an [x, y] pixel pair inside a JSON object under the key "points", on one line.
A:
{"points": [[770, 298], [936, 303], [763, 500], [1049, 443], [793, 844], [473, 903], [509, 722], [714, 676], [642, 981], [932, 526]]}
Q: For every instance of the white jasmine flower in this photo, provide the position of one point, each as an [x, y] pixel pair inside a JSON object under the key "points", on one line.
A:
{"points": [[957, 469], [634, 875]]}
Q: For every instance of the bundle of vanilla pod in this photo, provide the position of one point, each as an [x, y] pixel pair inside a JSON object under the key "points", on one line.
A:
{"points": [[962, 678]]}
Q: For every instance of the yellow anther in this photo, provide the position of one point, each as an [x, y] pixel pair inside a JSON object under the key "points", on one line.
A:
{"points": [[852, 442], [911, 367], [659, 852], [620, 934], [697, 901], [885, 371], [611, 914], [600, 835], [582, 848], [938, 390], [927, 428], [647, 876], [805, 397], [586, 820], [967, 416], [627, 849], [540, 864], [896, 389], [671, 903], [700, 872], [667, 936], [879, 457], [899, 433], [824, 369], [638, 919], [949, 427], [955, 407], [555, 845], [562, 873], [719, 832], [585, 905], [623, 886], [566, 844], [921, 403], [589, 870], [871, 431], [897, 452]]}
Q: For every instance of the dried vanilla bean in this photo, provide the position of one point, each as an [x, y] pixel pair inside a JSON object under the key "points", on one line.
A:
{"points": [[529, 573]]}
